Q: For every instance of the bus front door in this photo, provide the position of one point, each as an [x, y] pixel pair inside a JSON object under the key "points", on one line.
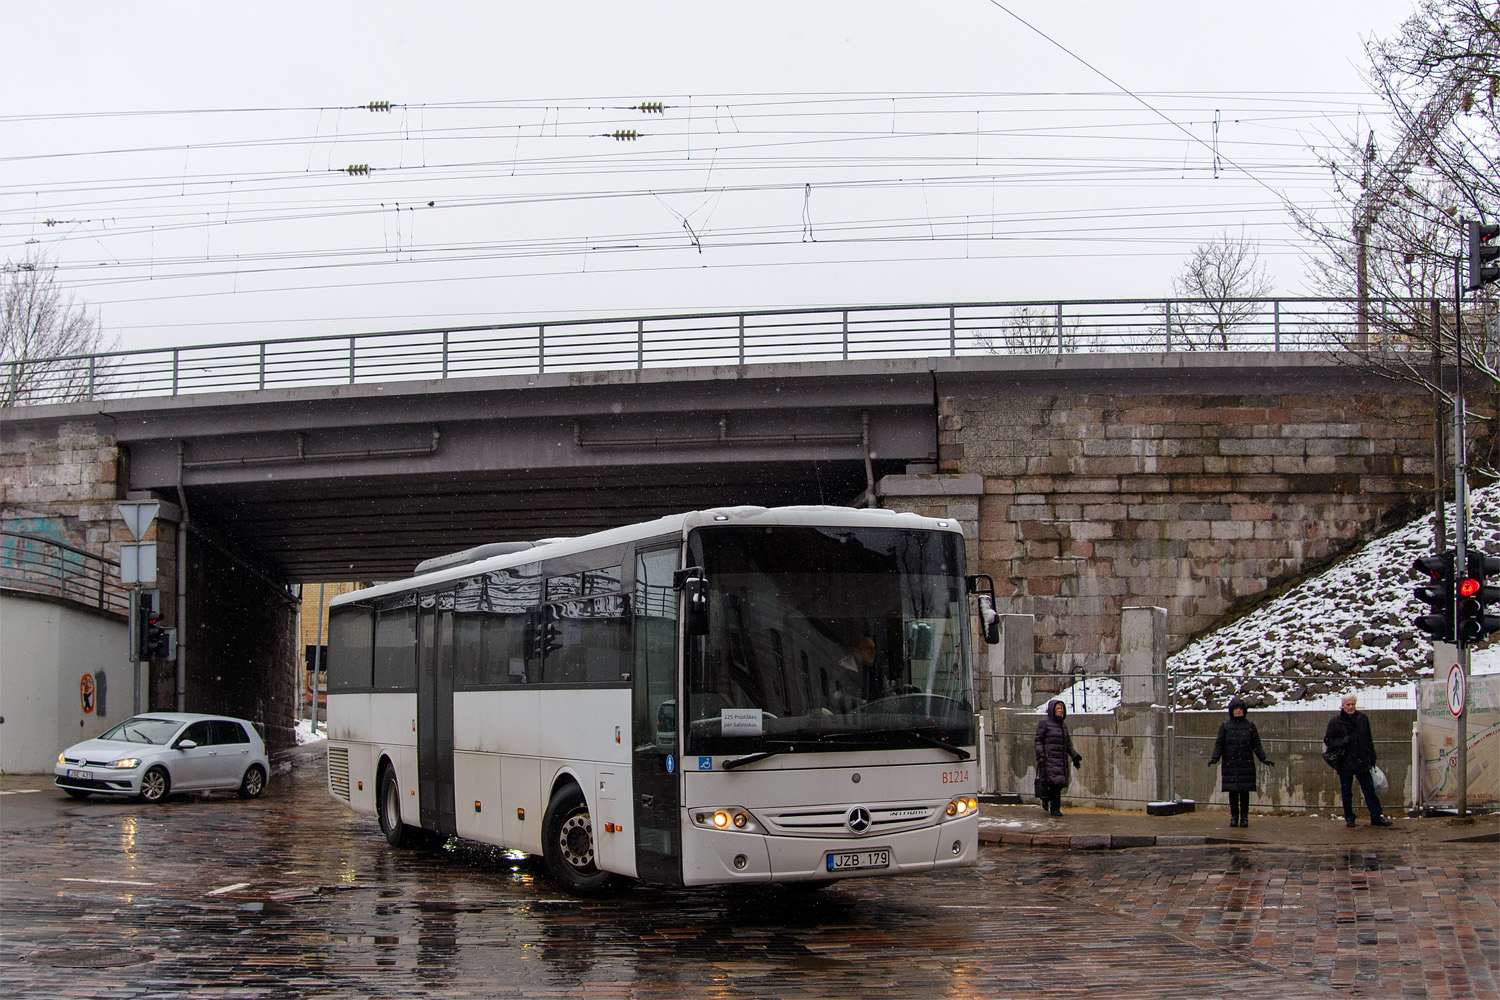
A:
{"points": [[657, 778]]}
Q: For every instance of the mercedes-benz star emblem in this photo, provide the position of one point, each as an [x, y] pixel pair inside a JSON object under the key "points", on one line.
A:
{"points": [[859, 819]]}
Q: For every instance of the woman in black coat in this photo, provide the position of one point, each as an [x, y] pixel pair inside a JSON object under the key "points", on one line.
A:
{"points": [[1054, 748], [1238, 740]]}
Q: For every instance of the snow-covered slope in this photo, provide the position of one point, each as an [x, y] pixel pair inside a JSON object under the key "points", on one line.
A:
{"points": [[1349, 628]]}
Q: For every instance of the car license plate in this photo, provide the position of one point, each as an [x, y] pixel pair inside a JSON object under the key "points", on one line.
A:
{"points": [[846, 861], [81, 775]]}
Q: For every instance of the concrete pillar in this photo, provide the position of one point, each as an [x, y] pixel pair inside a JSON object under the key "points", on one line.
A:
{"points": [[1145, 709], [1143, 656], [1011, 665], [1011, 672]]}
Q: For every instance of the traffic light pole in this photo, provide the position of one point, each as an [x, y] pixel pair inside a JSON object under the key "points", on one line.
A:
{"points": [[1461, 528]]}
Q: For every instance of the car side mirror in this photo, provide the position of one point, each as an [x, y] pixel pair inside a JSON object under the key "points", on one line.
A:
{"points": [[186, 745]]}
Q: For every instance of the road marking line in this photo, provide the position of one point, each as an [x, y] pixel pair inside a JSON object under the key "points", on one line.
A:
{"points": [[228, 888], [18, 791], [105, 881]]}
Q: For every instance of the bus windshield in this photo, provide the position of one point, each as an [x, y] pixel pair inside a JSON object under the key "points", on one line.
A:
{"points": [[830, 638]]}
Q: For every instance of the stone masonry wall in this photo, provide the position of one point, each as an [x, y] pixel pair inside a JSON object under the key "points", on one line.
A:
{"points": [[64, 487], [1079, 506], [67, 487]]}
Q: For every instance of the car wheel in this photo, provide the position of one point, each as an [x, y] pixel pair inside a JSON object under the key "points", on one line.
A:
{"points": [[77, 793], [155, 784], [253, 784], [568, 845]]}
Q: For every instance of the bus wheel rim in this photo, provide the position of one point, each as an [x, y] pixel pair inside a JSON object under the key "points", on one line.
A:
{"points": [[575, 840]]}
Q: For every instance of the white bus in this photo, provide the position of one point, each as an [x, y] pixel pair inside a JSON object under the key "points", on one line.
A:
{"points": [[727, 696]]}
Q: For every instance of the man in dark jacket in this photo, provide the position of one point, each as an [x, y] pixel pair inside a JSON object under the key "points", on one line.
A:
{"points": [[1238, 740], [1054, 748], [1348, 739]]}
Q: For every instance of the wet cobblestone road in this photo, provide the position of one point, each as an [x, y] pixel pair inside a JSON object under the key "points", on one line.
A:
{"points": [[293, 896]]}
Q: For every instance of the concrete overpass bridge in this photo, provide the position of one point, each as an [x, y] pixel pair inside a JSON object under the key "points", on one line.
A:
{"points": [[1095, 465]]}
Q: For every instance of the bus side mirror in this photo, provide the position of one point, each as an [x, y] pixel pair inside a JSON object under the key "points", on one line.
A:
{"points": [[694, 587], [989, 619], [919, 641]]}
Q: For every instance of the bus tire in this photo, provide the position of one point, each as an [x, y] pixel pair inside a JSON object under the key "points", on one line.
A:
{"points": [[388, 809], [568, 845]]}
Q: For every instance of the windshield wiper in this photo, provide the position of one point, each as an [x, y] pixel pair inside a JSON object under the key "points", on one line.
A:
{"points": [[779, 747], [827, 740], [922, 738]]}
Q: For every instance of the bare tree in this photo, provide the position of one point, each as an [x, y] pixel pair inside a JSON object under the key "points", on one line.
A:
{"points": [[1216, 282], [1397, 238], [1029, 329], [45, 338]]}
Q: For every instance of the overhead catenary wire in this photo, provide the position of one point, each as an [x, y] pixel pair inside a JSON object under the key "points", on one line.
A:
{"points": [[754, 149]]}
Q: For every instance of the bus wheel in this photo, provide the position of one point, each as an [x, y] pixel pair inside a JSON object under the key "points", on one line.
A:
{"points": [[568, 845], [388, 808]]}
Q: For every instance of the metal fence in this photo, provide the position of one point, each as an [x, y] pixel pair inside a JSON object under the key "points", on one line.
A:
{"points": [[38, 565], [1291, 734], [727, 338]]}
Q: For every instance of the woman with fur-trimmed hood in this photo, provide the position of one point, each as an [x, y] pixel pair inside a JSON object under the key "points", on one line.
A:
{"points": [[1238, 740], [1054, 748]]}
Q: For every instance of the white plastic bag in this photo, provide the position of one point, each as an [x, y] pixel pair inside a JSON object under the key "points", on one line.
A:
{"points": [[1377, 777]]}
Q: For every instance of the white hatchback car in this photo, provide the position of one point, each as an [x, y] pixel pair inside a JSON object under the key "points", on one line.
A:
{"points": [[150, 756]]}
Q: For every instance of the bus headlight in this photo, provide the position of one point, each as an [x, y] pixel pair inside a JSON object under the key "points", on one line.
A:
{"points": [[962, 806], [724, 818]]}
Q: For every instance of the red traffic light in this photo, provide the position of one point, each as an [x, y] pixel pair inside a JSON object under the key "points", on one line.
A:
{"points": [[1469, 587]]}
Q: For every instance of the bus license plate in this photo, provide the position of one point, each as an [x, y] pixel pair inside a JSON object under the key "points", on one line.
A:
{"points": [[854, 860], [81, 775]]}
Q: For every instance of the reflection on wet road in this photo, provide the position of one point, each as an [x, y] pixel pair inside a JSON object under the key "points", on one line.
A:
{"points": [[293, 896]]}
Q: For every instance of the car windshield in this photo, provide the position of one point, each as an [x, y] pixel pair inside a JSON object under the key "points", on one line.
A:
{"points": [[143, 729], [829, 638]]}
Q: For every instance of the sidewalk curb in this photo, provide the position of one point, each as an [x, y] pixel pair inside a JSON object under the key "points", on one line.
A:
{"points": [[1121, 841], [1088, 841]]}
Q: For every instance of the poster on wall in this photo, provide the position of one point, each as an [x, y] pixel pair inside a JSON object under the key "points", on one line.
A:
{"points": [[1437, 742]]}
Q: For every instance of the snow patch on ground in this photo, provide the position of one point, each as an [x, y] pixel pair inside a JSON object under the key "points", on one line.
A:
{"points": [[305, 733]]}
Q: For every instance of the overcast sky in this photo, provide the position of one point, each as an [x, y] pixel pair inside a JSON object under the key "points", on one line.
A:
{"points": [[188, 166]]}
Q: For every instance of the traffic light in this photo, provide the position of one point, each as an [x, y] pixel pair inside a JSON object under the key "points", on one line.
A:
{"points": [[149, 639], [136, 630], [1482, 249], [1436, 593], [1478, 613], [546, 635]]}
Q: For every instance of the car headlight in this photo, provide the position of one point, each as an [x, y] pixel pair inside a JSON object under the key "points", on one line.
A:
{"points": [[125, 763], [60, 761]]}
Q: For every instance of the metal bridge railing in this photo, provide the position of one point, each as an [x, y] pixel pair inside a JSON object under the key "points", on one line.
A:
{"points": [[38, 565], [727, 338]]}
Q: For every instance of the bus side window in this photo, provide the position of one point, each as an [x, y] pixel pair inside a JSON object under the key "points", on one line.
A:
{"points": [[504, 608], [351, 647], [396, 644]]}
